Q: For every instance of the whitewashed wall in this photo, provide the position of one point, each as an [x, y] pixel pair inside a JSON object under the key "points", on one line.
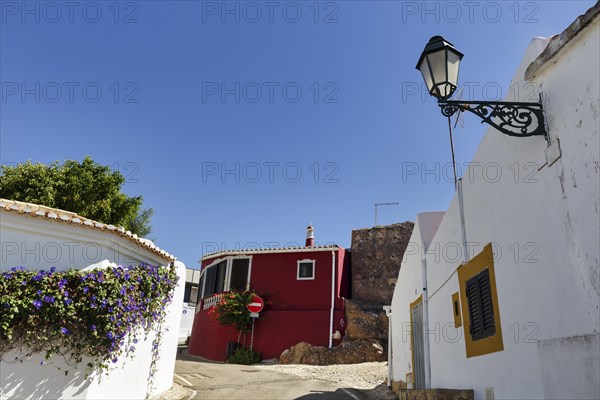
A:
{"points": [[408, 289], [39, 242], [544, 228]]}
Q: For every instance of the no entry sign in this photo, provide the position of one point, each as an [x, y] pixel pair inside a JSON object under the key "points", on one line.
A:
{"points": [[256, 305]]}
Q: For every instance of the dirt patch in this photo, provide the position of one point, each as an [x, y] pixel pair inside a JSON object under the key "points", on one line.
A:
{"points": [[358, 376]]}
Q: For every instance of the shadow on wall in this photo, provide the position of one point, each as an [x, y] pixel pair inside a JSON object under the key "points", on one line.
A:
{"points": [[41, 382]]}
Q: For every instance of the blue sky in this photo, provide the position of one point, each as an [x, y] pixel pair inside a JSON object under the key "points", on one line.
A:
{"points": [[242, 122]]}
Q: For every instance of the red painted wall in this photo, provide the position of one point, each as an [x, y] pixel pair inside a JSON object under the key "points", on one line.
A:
{"points": [[299, 309], [279, 330]]}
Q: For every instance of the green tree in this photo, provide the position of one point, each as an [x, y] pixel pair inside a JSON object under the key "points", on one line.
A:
{"points": [[87, 188]]}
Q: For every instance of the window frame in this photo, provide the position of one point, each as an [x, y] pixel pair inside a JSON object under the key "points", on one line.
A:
{"points": [[228, 270], [491, 343], [456, 310], [314, 271]]}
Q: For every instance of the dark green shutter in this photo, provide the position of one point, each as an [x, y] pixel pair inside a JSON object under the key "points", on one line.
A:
{"points": [[481, 307]]}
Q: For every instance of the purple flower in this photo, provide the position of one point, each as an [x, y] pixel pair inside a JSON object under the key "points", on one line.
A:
{"points": [[53, 269], [110, 335], [62, 283], [93, 327], [114, 360], [122, 291], [68, 301], [64, 330], [49, 299], [86, 289], [37, 304]]}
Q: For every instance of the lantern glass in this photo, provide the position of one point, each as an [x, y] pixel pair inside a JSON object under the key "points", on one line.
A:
{"points": [[426, 72], [439, 64], [453, 63]]}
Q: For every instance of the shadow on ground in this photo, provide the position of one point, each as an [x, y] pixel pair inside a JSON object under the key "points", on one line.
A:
{"points": [[339, 394], [380, 392]]}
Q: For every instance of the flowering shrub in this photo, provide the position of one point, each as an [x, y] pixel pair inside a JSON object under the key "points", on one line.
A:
{"points": [[96, 314], [231, 310]]}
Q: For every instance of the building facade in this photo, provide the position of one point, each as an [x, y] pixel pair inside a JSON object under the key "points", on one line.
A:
{"points": [[304, 287], [502, 293]]}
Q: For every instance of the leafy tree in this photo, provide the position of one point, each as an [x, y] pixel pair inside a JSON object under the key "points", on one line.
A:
{"points": [[87, 188]]}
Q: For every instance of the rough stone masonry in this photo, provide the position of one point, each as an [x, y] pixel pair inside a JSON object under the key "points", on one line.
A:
{"points": [[376, 257]]}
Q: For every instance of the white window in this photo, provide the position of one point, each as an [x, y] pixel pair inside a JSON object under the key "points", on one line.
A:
{"points": [[224, 275], [306, 270]]}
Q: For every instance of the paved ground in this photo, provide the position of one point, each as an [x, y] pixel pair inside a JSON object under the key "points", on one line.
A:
{"points": [[216, 381]]}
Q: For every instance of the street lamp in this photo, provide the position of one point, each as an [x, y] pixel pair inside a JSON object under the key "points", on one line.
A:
{"points": [[439, 65]]}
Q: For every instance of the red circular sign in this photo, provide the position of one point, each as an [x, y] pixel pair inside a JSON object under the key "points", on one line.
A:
{"points": [[256, 305]]}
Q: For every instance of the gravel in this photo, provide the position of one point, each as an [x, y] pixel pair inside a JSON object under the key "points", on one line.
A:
{"points": [[358, 376]]}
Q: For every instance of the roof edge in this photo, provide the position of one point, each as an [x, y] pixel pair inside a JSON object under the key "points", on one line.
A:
{"points": [[559, 41], [56, 214], [269, 250]]}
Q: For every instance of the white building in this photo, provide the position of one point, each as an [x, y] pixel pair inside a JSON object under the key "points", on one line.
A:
{"points": [[519, 319], [39, 237], [190, 297]]}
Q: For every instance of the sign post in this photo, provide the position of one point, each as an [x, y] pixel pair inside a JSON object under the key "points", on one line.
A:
{"points": [[254, 307]]}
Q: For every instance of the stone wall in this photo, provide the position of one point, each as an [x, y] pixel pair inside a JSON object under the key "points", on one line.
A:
{"points": [[376, 256]]}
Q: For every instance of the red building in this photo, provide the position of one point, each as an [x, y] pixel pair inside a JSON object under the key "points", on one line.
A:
{"points": [[306, 287]]}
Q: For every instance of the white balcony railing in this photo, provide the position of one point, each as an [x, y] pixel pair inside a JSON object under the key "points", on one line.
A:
{"points": [[211, 301]]}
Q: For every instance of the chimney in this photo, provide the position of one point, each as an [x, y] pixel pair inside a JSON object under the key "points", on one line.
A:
{"points": [[310, 236]]}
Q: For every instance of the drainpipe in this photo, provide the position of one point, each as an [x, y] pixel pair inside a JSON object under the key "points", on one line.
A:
{"points": [[425, 319], [332, 298], [462, 220], [388, 313]]}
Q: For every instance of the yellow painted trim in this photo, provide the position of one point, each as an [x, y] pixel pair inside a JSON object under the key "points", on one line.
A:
{"points": [[490, 344], [456, 310], [412, 305]]}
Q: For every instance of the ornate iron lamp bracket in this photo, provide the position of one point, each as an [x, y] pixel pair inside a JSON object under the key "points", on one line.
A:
{"points": [[513, 119]]}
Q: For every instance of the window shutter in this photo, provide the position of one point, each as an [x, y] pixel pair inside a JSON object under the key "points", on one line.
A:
{"points": [[481, 308]]}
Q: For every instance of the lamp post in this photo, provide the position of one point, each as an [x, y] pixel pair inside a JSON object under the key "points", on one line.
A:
{"points": [[439, 64]]}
